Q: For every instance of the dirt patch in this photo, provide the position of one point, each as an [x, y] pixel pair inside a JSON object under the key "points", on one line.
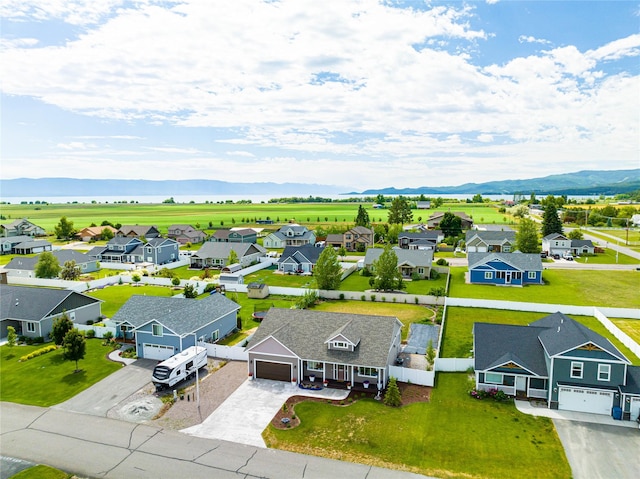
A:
{"points": [[286, 417]]}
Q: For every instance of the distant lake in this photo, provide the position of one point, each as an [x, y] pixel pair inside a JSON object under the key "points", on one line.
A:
{"points": [[155, 199]]}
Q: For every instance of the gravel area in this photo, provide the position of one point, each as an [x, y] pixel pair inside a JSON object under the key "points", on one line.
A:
{"points": [[223, 379]]}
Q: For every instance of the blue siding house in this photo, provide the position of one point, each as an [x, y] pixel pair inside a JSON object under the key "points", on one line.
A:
{"points": [[508, 269], [559, 360], [162, 327]]}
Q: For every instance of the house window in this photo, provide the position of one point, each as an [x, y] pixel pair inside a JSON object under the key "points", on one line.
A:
{"points": [[215, 335], [531, 275], [31, 327], [604, 372], [420, 270], [493, 378], [156, 329], [340, 345], [314, 366], [488, 275], [506, 248], [369, 372], [576, 369]]}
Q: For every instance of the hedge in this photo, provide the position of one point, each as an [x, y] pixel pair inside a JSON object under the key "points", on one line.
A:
{"points": [[39, 352]]}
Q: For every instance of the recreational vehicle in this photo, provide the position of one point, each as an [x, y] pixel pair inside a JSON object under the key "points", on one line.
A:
{"points": [[179, 367]]}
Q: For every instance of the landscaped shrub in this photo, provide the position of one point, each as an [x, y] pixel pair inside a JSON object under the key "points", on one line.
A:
{"points": [[434, 274], [89, 322], [494, 394], [341, 295], [209, 287], [363, 297], [373, 297], [108, 335], [38, 352], [91, 333], [442, 262]]}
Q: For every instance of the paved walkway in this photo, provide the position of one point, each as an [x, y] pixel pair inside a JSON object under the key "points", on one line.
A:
{"points": [[250, 409], [527, 408]]}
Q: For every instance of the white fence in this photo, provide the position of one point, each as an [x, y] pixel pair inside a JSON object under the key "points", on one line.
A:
{"points": [[235, 353], [414, 376], [617, 332], [453, 364], [100, 330]]}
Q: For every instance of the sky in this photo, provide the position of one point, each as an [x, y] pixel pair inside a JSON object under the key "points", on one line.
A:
{"points": [[358, 94]]}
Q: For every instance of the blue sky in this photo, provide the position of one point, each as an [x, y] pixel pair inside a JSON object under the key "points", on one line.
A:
{"points": [[361, 94]]}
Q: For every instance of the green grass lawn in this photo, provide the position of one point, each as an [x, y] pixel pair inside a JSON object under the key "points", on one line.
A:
{"points": [[457, 340], [629, 326], [249, 305], [6, 258], [41, 472], [355, 282], [48, 379], [576, 287], [269, 276], [608, 257], [452, 436], [406, 313], [115, 296]]}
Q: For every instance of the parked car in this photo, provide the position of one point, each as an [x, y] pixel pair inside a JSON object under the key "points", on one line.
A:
{"points": [[568, 256]]}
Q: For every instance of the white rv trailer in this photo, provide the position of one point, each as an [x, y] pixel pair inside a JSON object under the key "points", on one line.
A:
{"points": [[179, 367]]}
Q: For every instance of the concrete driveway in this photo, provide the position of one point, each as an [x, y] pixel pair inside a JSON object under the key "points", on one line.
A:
{"points": [[249, 410], [115, 388], [600, 451], [419, 336]]}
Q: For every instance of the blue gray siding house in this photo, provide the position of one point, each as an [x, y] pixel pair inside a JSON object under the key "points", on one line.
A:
{"points": [[299, 259], [25, 266], [513, 269], [162, 327], [159, 251], [559, 360]]}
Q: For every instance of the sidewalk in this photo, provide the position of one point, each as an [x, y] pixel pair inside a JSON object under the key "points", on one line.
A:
{"points": [[526, 407]]}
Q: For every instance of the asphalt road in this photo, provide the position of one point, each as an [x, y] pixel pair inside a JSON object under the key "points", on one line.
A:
{"points": [[98, 447]]}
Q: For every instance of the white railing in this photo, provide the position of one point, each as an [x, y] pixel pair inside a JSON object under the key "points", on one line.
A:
{"points": [[508, 390], [538, 393]]}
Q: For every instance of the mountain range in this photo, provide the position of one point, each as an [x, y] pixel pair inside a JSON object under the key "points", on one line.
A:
{"points": [[590, 182]]}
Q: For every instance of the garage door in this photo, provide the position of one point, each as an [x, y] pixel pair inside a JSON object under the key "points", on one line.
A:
{"points": [[635, 408], [157, 351], [276, 371], [585, 400]]}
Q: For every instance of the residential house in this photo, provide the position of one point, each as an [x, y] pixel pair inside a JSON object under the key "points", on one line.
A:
{"points": [[139, 231], [424, 239], [358, 238], [290, 235], [579, 247], [94, 233], [121, 249], [635, 220], [159, 251], [31, 311], [505, 269], [490, 241], [26, 266], [435, 218], [216, 255], [21, 227], [162, 326], [295, 345], [184, 234], [423, 205], [411, 262], [23, 245], [556, 244], [244, 235], [299, 259], [559, 360]]}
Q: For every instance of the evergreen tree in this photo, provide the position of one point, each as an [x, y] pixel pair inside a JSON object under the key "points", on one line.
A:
{"points": [[327, 271], [61, 326], [74, 346], [451, 225], [527, 236], [400, 211], [64, 229], [392, 396], [550, 220], [387, 276], [363, 217], [47, 265]]}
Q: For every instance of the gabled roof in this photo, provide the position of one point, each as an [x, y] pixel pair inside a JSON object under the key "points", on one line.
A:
{"points": [[181, 315], [581, 243], [360, 230], [15, 239], [34, 304], [461, 214], [138, 230], [416, 257], [304, 332], [31, 243], [181, 227], [123, 240], [156, 242], [62, 255], [212, 249], [633, 381], [491, 237], [555, 236], [301, 254], [428, 234], [520, 261], [563, 334]]}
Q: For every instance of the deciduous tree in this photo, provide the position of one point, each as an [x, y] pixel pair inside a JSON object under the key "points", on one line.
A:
{"points": [[11, 336], [75, 347], [527, 236], [233, 257], [70, 271], [64, 229], [451, 225], [575, 234], [190, 291], [327, 271], [400, 211], [47, 266], [387, 276]]}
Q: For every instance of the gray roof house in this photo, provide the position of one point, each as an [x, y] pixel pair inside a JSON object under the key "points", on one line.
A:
{"points": [[21, 227], [184, 234], [559, 360], [299, 259], [296, 345], [25, 266], [139, 231], [556, 243], [216, 254], [513, 269], [31, 311], [579, 247], [27, 245], [490, 241], [425, 239], [410, 261], [162, 327], [289, 235]]}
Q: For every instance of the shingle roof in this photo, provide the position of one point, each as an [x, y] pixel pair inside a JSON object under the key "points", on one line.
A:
{"points": [[521, 261], [633, 381], [212, 249], [416, 257], [181, 315], [63, 255], [491, 237], [563, 333], [581, 243], [554, 236], [305, 332], [300, 253], [34, 304]]}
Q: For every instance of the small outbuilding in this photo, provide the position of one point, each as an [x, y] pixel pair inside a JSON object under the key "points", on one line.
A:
{"points": [[257, 290]]}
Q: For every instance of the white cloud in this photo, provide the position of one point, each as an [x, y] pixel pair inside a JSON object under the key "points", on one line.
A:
{"points": [[530, 39]]}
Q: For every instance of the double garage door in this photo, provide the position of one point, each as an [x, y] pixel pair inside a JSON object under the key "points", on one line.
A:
{"points": [[159, 352], [275, 371], [585, 400]]}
